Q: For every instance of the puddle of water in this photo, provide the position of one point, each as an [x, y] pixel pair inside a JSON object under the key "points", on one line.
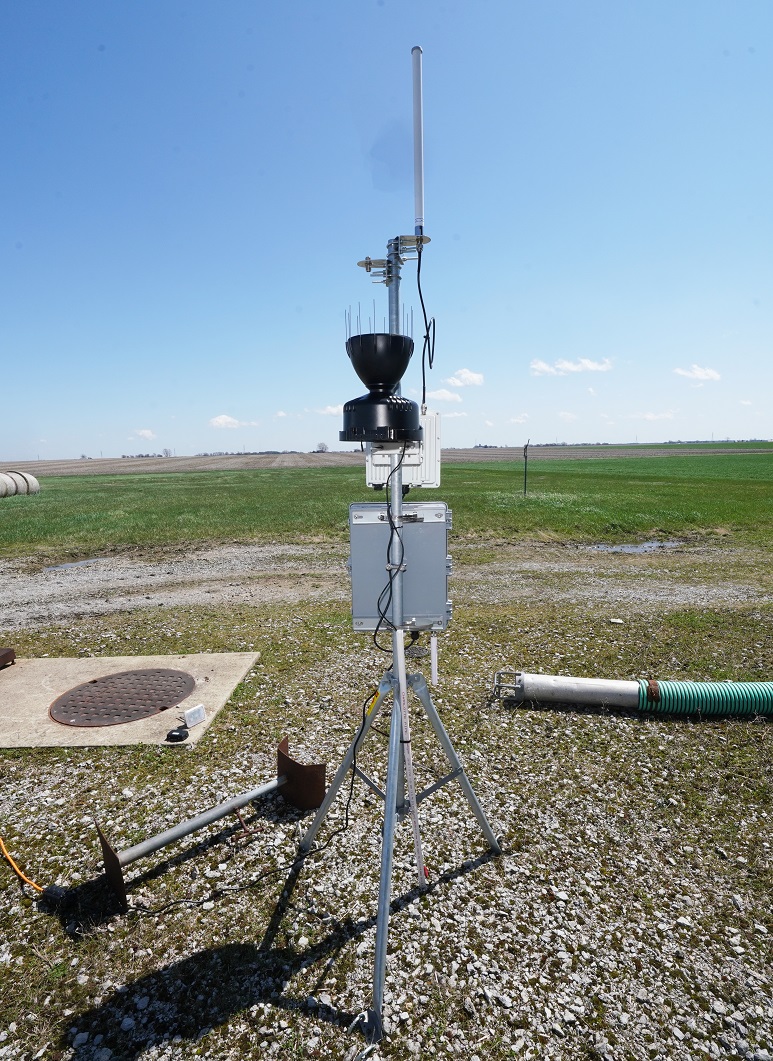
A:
{"points": [[640, 547], [75, 563]]}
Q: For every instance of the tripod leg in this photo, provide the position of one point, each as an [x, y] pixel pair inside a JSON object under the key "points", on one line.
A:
{"points": [[407, 758], [385, 687], [374, 1027], [419, 685]]}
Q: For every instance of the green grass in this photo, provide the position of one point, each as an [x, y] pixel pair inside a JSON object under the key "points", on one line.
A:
{"points": [[621, 498], [94, 515], [601, 499]]}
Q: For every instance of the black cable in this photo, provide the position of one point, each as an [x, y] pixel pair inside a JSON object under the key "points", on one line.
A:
{"points": [[357, 739], [428, 343], [384, 601]]}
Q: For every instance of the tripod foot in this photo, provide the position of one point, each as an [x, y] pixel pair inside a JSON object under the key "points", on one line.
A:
{"points": [[372, 1027]]}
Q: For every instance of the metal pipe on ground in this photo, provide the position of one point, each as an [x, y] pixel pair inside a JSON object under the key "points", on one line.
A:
{"points": [[303, 785], [715, 699], [554, 688]]}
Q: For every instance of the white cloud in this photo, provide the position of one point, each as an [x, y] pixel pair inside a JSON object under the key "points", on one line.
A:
{"points": [[444, 396], [145, 432], [744, 401], [454, 415], [542, 368], [567, 417], [463, 377], [279, 414], [519, 419], [489, 423], [331, 410], [591, 390], [562, 367], [696, 372], [652, 416], [228, 421], [584, 364]]}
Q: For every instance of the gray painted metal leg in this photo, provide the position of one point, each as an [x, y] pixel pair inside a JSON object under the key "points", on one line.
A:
{"points": [[385, 687], [419, 686], [375, 1029]]}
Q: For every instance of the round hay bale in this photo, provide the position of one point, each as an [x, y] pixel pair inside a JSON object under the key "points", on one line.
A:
{"points": [[31, 484]]}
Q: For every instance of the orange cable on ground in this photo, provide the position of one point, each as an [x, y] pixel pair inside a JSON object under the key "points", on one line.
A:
{"points": [[16, 869]]}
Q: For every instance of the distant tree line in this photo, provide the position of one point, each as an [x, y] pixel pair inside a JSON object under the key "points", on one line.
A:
{"points": [[671, 442], [247, 452], [136, 456], [322, 447]]}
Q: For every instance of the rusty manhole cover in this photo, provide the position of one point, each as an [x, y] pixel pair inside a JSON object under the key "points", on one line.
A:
{"points": [[124, 697]]}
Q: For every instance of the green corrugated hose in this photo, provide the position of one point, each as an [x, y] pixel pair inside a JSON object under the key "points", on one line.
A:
{"points": [[719, 699]]}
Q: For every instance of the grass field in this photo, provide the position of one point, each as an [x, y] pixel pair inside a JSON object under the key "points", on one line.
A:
{"points": [[606, 500], [655, 831]]}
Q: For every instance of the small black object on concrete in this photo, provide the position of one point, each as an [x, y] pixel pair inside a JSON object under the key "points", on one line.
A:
{"points": [[175, 736]]}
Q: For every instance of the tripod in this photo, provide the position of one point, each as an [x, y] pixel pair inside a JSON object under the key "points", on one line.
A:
{"points": [[396, 682]]}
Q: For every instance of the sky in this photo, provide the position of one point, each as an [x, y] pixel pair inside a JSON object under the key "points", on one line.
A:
{"points": [[187, 187]]}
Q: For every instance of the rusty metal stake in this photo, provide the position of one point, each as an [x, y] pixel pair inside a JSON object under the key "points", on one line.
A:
{"points": [[243, 823]]}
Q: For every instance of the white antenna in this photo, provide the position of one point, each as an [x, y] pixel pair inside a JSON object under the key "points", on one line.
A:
{"points": [[418, 141]]}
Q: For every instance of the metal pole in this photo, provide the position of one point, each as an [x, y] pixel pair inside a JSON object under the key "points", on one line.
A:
{"points": [[418, 141], [396, 544], [398, 655], [385, 882], [419, 685], [399, 757], [525, 464], [394, 262], [383, 690], [555, 688], [177, 832], [396, 574], [406, 758]]}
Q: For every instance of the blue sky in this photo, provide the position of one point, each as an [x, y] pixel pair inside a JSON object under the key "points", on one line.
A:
{"points": [[187, 187]]}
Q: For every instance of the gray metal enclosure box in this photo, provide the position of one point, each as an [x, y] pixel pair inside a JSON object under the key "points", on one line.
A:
{"points": [[427, 564]]}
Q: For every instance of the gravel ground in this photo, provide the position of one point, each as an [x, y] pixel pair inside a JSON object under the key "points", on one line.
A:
{"points": [[261, 574], [628, 918], [229, 574]]}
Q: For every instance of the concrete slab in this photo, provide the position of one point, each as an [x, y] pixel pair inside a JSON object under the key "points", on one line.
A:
{"points": [[30, 686]]}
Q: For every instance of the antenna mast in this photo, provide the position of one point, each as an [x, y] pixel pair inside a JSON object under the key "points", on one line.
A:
{"points": [[418, 143]]}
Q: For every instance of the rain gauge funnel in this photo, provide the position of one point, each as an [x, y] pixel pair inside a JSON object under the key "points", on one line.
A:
{"points": [[383, 415]]}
